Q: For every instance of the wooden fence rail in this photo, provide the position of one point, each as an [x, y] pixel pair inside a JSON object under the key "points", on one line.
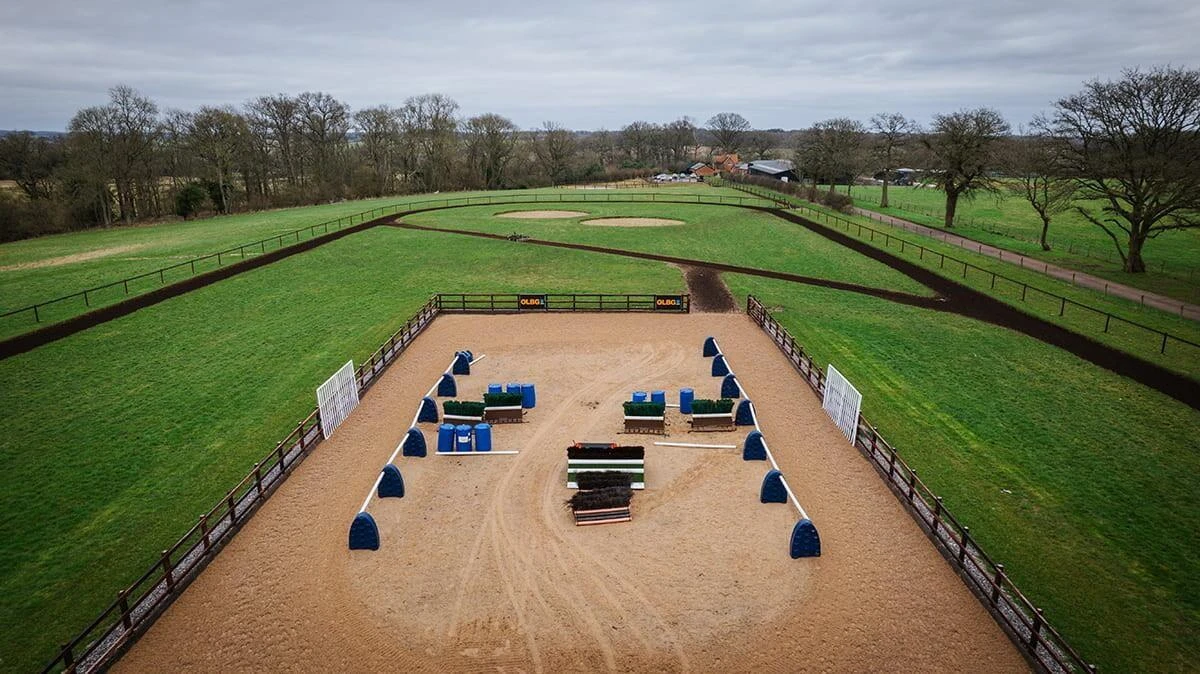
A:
{"points": [[1159, 338], [1041, 644]]}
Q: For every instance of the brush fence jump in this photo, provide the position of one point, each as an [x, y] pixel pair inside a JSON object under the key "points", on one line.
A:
{"points": [[337, 398], [631, 460], [842, 402]]}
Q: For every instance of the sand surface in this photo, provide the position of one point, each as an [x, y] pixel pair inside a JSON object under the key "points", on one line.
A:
{"points": [[632, 222], [541, 215], [482, 569]]}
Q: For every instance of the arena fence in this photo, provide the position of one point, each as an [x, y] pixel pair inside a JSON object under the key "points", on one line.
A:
{"points": [[1106, 322], [533, 303], [136, 607], [1041, 644]]}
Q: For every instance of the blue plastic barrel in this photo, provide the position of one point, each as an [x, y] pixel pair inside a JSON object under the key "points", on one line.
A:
{"points": [[483, 437], [686, 396], [528, 396], [658, 397], [639, 396], [495, 388], [445, 438], [462, 437], [512, 387]]}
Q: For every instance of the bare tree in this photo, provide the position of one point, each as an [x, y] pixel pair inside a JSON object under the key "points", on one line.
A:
{"points": [[1134, 145], [379, 143], [116, 140], [893, 131], [834, 150], [430, 124], [962, 152], [679, 140], [491, 141], [760, 144], [324, 125], [217, 136], [638, 140], [1038, 178], [555, 148], [277, 120], [729, 131], [30, 162]]}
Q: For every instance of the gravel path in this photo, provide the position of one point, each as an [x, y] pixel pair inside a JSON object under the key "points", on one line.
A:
{"points": [[1078, 278]]}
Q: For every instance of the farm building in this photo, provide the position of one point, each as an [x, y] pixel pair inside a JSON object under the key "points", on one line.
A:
{"points": [[702, 170], [779, 169]]}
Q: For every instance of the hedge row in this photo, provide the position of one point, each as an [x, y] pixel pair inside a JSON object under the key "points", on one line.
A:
{"points": [[463, 408], [502, 399], [705, 406], [644, 409]]}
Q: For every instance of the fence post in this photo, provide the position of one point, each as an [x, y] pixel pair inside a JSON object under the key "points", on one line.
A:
{"points": [[937, 514], [232, 509], [1163, 348], [123, 603], [204, 529], [997, 581], [912, 484], [1062, 307], [67, 658], [962, 546], [166, 566], [1035, 629], [258, 477]]}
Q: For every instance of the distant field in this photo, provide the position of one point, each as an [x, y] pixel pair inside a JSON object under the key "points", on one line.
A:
{"points": [[711, 233], [763, 241], [41, 269], [1010, 222]]}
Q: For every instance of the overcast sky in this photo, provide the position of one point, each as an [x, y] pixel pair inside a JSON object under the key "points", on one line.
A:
{"points": [[780, 63]]}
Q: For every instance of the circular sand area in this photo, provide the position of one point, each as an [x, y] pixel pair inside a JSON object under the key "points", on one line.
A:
{"points": [[540, 215], [632, 222]]}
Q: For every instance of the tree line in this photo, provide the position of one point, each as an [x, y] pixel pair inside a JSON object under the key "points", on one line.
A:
{"points": [[1124, 154]]}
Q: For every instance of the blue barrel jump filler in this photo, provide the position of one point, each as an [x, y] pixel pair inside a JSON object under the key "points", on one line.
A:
{"points": [[658, 397], [462, 437], [483, 437], [528, 396], [686, 396], [639, 396], [445, 441], [495, 388]]}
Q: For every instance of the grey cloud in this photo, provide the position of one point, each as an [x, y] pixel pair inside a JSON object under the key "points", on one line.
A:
{"points": [[585, 65]]}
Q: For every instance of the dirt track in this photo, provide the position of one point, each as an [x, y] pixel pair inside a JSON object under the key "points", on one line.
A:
{"points": [[481, 568]]}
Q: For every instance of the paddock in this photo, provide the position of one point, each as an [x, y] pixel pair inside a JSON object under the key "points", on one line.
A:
{"points": [[480, 566]]}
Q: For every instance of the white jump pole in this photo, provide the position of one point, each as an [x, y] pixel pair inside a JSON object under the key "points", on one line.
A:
{"points": [[400, 446], [770, 457], [692, 444]]}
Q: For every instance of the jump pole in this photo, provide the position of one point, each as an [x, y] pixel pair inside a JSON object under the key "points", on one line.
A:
{"points": [[400, 446], [510, 451], [692, 444], [770, 457]]}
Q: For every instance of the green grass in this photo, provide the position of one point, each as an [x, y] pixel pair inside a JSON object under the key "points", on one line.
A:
{"points": [[1098, 523], [140, 249], [712, 233], [115, 440], [761, 240], [123, 434], [1137, 341], [1008, 221]]}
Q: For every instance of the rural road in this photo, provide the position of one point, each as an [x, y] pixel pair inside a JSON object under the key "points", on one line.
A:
{"points": [[1078, 278]]}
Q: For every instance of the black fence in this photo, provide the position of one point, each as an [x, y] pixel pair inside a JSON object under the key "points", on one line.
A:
{"points": [[1018, 617], [542, 302]]}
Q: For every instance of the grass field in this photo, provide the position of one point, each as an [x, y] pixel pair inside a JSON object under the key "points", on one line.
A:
{"points": [[1081, 482], [1009, 222], [764, 241], [123, 434], [713, 233], [41, 269]]}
